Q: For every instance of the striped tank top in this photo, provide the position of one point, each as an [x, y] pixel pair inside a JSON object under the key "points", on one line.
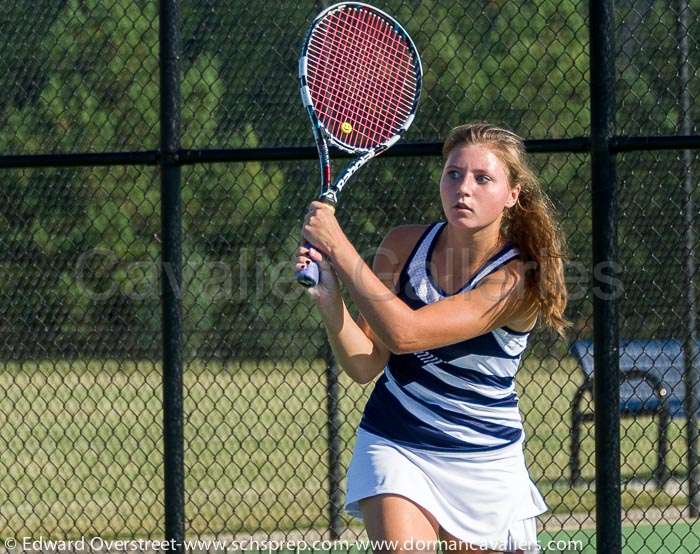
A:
{"points": [[457, 398]]}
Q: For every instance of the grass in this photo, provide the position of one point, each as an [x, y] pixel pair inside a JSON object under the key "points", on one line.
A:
{"points": [[664, 538], [81, 446]]}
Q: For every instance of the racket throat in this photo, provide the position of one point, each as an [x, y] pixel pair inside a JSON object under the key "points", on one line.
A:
{"points": [[329, 197]]}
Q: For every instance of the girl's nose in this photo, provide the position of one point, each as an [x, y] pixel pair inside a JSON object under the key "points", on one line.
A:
{"points": [[466, 185]]}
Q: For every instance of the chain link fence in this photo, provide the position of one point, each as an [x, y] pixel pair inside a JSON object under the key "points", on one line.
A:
{"points": [[269, 421]]}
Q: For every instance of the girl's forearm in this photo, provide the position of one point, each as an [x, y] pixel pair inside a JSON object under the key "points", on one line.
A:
{"points": [[387, 315], [354, 351]]}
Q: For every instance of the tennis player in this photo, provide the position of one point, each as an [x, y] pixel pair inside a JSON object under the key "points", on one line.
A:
{"points": [[445, 316]]}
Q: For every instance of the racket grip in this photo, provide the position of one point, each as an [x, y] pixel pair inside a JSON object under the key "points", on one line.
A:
{"points": [[309, 275]]}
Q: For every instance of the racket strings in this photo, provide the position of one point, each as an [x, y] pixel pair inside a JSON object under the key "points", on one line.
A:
{"points": [[339, 111], [360, 72], [392, 87], [344, 88], [386, 38], [337, 105], [369, 31], [370, 39], [403, 61]]}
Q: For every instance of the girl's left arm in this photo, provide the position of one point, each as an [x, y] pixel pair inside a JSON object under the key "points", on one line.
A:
{"points": [[498, 299]]}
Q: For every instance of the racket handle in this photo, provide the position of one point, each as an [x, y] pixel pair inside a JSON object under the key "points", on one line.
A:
{"points": [[309, 275]]}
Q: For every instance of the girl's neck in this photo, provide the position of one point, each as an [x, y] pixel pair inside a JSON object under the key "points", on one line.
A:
{"points": [[471, 248], [458, 254]]}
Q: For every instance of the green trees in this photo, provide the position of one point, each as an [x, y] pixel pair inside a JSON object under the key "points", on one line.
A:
{"points": [[82, 244]]}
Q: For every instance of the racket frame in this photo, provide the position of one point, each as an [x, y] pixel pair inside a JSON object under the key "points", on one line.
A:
{"points": [[331, 189]]}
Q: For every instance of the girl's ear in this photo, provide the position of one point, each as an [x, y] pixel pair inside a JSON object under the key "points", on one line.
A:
{"points": [[513, 196]]}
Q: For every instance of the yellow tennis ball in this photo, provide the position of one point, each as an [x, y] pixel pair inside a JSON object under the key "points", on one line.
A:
{"points": [[345, 127]]}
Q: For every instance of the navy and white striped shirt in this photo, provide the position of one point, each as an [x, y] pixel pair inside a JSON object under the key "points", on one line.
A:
{"points": [[457, 398]]}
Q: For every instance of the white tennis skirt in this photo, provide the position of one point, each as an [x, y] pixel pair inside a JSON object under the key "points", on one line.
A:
{"points": [[483, 498]]}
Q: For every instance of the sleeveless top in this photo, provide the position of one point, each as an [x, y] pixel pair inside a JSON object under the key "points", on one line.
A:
{"points": [[456, 398]]}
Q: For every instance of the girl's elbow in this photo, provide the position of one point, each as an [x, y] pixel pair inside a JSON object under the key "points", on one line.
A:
{"points": [[400, 348], [364, 379], [402, 341], [365, 375], [363, 370]]}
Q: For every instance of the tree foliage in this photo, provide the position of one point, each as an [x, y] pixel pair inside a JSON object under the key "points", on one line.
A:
{"points": [[83, 244]]}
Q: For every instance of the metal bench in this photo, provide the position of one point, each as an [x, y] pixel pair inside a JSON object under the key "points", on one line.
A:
{"points": [[651, 383]]}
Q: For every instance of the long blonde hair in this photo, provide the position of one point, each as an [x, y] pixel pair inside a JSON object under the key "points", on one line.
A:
{"points": [[530, 224]]}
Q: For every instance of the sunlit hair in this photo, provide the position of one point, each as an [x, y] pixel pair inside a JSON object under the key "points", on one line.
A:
{"points": [[530, 224]]}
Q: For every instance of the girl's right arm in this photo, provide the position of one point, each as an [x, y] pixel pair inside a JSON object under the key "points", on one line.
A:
{"points": [[356, 347], [357, 351]]}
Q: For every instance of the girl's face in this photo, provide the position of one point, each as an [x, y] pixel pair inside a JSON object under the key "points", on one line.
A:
{"points": [[474, 187]]}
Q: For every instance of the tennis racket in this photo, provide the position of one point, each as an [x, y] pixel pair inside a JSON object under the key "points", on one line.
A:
{"points": [[360, 79]]}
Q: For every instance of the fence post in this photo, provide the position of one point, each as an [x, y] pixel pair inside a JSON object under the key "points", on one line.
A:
{"points": [[605, 278], [334, 447], [171, 274], [690, 342]]}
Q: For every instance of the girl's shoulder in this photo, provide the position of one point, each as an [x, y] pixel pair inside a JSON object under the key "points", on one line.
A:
{"points": [[404, 236], [400, 241], [525, 318], [394, 250]]}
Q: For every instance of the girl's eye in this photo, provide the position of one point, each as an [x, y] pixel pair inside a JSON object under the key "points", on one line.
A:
{"points": [[482, 178], [453, 174]]}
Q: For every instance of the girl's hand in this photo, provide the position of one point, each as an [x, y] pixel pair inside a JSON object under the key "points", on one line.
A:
{"points": [[322, 229], [327, 289]]}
